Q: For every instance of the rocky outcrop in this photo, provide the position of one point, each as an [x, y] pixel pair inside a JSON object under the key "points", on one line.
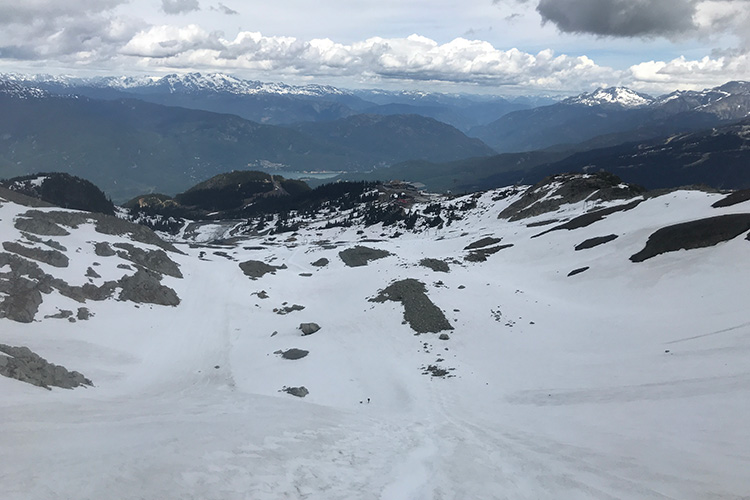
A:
{"points": [[419, 311], [309, 328], [595, 242], [437, 265], [590, 217], [293, 354], [553, 192], [155, 260], [361, 256], [255, 269], [49, 223], [24, 365], [52, 257], [694, 234], [300, 392], [145, 287]]}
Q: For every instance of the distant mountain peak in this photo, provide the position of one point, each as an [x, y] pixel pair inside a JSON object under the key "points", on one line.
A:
{"points": [[619, 96], [20, 90]]}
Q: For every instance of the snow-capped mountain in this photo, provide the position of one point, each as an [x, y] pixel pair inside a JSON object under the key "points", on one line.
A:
{"points": [[14, 89], [615, 96], [615, 115], [576, 339]]}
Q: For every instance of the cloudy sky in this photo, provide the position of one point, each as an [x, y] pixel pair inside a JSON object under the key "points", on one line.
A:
{"points": [[484, 46]]}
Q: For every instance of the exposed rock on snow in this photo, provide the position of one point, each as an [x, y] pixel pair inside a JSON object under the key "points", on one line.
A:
{"points": [[578, 271], [155, 260], [52, 257], [484, 242], [361, 255], [288, 309], [436, 265], [293, 354], [47, 223], [733, 199], [300, 392], [145, 287], [595, 242], [694, 234], [589, 218], [553, 192], [256, 269], [481, 254], [420, 312], [39, 226], [322, 262], [309, 328], [102, 249], [24, 365]]}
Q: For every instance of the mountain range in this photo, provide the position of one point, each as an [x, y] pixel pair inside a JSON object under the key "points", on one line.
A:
{"points": [[135, 136], [615, 115]]}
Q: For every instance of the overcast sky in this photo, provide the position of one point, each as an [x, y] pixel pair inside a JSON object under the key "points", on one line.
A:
{"points": [[487, 46]]}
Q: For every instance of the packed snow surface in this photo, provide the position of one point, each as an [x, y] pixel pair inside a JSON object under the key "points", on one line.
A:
{"points": [[629, 380]]}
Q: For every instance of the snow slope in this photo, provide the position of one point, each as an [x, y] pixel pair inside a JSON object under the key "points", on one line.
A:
{"points": [[625, 381]]}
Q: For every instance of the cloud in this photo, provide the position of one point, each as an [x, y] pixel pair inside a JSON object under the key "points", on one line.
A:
{"points": [[75, 29], [691, 74], [225, 10], [179, 6], [625, 18], [414, 58]]}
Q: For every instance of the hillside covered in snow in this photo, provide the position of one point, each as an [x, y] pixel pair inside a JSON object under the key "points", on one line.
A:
{"points": [[580, 338]]}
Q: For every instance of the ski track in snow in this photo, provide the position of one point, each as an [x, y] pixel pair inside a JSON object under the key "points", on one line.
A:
{"points": [[626, 382]]}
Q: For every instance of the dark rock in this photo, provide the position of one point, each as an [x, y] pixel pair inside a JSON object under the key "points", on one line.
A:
{"points": [[309, 328], [484, 242], [594, 242], [553, 192], [22, 301], [300, 392], [733, 199], [294, 354], [444, 336], [289, 309], [145, 287], [155, 260], [62, 314], [419, 312], [256, 269], [694, 234], [589, 218], [578, 271], [90, 273], [322, 262], [50, 257], [102, 249], [83, 314], [437, 265], [27, 366], [39, 226], [360, 255], [481, 254], [104, 224]]}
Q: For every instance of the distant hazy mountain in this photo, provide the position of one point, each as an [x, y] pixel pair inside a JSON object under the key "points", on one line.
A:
{"points": [[397, 138], [618, 114], [131, 147], [278, 103]]}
